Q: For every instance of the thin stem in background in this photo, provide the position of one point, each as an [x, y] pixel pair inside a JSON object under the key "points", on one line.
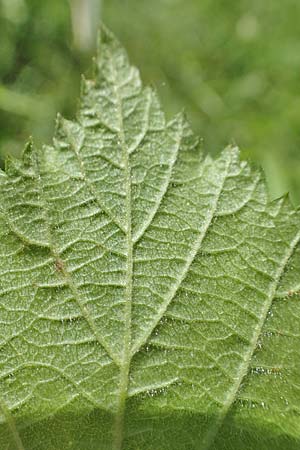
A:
{"points": [[85, 15]]}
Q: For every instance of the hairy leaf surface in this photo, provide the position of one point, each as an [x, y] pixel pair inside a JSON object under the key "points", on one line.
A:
{"points": [[149, 295]]}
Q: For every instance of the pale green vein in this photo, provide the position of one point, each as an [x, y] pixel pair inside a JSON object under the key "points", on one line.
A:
{"points": [[132, 392], [194, 251], [245, 202], [146, 126], [294, 290], [84, 310], [60, 372], [19, 234], [12, 426], [72, 285], [244, 368], [126, 360], [88, 183], [199, 360], [164, 188]]}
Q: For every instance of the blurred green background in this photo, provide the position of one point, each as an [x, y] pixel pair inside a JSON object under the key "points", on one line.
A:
{"points": [[234, 66]]}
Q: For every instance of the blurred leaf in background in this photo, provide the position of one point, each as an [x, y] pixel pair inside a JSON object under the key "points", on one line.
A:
{"points": [[234, 66], [40, 65]]}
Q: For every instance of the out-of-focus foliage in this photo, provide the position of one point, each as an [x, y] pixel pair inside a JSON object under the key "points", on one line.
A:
{"points": [[39, 66], [234, 66]]}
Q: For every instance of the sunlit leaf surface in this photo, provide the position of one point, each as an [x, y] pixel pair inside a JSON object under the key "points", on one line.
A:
{"points": [[149, 296]]}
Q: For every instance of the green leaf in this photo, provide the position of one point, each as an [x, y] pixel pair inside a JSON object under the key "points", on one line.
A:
{"points": [[149, 296]]}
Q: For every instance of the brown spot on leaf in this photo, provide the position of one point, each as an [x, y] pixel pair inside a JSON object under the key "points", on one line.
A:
{"points": [[59, 265]]}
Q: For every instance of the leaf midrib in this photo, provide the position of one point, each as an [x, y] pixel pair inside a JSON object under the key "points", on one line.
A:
{"points": [[126, 360], [128, 351]]}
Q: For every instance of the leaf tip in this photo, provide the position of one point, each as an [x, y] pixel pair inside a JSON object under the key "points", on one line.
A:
{"points": [[105, 36]]}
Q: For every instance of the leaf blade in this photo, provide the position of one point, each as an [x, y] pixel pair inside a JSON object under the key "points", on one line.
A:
{"points": [[137, 281]]}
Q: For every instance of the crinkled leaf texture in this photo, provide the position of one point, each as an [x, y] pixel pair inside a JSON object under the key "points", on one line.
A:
{"points": [[149, 295]]}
